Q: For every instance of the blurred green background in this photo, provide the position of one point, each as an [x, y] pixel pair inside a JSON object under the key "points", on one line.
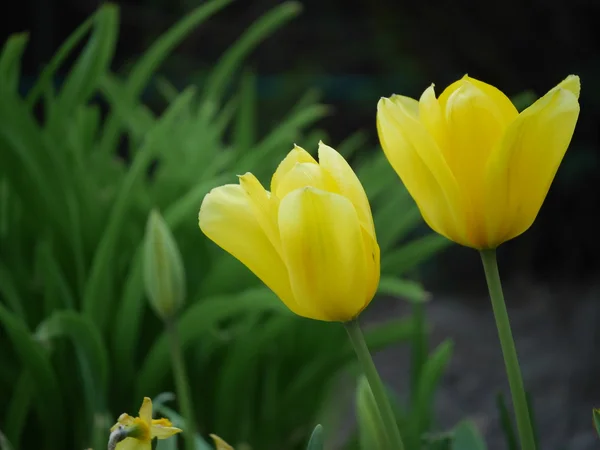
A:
{"points": [[106, 115]]}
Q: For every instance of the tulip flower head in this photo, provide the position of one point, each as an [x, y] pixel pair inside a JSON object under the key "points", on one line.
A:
{"points": [[478, 169], [142, 429], [311, 239]]}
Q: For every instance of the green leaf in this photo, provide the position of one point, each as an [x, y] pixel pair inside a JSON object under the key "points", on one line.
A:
{"points": [[18, 408], [596, 417], [178, 421], [4, 443], [96, 301], [246, 125], [10, 61], [127, 321], [420, 416], [371, 433], [406, 289], [48, 403], [506, 423], [467, 437], [153, 57], [45, 78], [10, 292], [408, 256], [86, 338], [196, 322], [316, 441], [228, 64], [91, 65]]}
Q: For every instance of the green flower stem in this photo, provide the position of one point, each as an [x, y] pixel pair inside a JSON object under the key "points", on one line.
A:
{"points": [[182, 385], [377, 388], [511, 362]]}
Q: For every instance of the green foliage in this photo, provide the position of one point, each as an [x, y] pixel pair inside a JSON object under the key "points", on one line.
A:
{"points": [[596, 416], [76, 187]]}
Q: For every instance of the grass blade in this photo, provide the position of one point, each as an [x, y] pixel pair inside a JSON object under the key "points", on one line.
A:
{"points": [[10, 61], [34, 359]]}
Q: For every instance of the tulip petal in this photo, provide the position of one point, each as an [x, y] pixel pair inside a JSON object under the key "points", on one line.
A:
{"points": [[133, 444], [145, 412], [163, 432], [265, 207], [522, 168], [323, 248], [506, 110], [302, 175], [347, 184], [296, 155], [227, 218], [418, 161], [410, 105], [220, 444]]}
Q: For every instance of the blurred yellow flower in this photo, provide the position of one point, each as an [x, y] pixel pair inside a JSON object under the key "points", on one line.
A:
{"points": [[311, 240], [478, 170], [142, 429], [220, 443]]}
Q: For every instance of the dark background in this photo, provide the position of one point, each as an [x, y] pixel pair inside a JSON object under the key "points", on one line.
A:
{"points": [[355, 52]]}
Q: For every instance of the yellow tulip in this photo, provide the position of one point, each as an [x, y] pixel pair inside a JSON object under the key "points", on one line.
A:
{"points": [[478, 169], [142, 429], [311, 239]]}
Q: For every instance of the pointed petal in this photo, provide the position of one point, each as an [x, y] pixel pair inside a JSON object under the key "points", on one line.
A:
{"points": [[522, 168], [220, 443], [133, 444], [297, 155], [265, 207], [302, 175], [410, 105], [146, 410], [571, 83], [324, 250], [227, 218], [347, 184], [415, 157], [432, 117], [161, 431]]}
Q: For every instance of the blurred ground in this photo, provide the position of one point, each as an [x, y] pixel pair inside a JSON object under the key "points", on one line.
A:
{"points": [[555, 346]]}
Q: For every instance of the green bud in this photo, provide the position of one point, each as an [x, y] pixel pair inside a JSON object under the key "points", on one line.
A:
{"points": [[164, 275]]}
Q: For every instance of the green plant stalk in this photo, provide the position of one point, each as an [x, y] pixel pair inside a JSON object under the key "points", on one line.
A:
{"points": [[182, 385], [386, 412], [511, 361]]}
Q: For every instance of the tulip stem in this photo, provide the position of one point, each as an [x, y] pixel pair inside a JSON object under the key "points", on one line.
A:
{"points": [[511, 362], [386, 412], [182, 385]]}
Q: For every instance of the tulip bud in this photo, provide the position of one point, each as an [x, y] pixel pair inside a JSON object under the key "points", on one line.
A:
{"points": [[164, 275]]}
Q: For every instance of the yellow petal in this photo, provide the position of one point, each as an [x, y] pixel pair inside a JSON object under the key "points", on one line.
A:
{"points": [[133, 444], [124, 420], [146, 410], [297, 155], [506, 109], [323, 248], [347, 184], [220, 443], [302, 175], [227, 218], [521, 170], [265, 207], [416, 158], [410, 105], [571, 83], [432, 117], [162, 430]]}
